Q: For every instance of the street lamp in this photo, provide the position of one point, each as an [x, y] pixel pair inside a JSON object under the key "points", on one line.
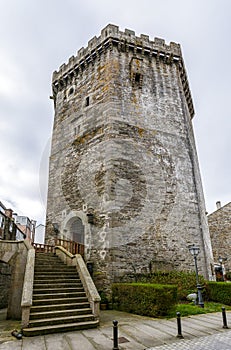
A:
{"points": [[194, 250], [222, 267]]}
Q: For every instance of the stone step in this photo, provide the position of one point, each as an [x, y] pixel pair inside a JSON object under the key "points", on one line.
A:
{"points": [[60, 303], [47, 260], [56, 277], [58, 295], [56, 272], [65, 306], [50, 301], [54, 259], [51, 281], [29, 332], [55, 267], [42, 257], [54, 289], [59, 313], [57, 285], [61, 320]]}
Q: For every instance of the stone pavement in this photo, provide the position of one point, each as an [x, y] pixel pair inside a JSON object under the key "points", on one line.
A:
{"points": [[135, 332]]}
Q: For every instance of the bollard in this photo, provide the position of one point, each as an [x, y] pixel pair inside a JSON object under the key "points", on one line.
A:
{"points": [[115, 335], [224, 318], [179, 335]]}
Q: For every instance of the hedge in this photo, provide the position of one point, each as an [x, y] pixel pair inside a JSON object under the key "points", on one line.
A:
{"points": [[185, 281], [144, 298], [219, 292]]}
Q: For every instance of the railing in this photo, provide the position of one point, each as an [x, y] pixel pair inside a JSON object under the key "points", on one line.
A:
{"points": [[43, 248], [71, 246], [84, 275], [9, 231]]}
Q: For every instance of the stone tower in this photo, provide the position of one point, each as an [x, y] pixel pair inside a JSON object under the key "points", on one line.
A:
{"points": [[124, 176]]}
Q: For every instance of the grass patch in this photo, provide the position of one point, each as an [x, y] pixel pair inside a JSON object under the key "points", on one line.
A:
{"points": [[191, 309]]}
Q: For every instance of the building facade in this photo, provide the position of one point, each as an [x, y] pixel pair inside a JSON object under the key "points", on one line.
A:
{"points": [[124, 176], [220, 231], [39, 234]]}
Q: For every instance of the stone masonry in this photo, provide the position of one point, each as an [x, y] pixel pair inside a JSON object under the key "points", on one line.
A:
{"points": [[220, 231], [123, 151], [5, 278]]}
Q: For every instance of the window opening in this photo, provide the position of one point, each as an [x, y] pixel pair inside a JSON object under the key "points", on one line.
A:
{"points": [[71, 91], [87, 101], [137, 78]]}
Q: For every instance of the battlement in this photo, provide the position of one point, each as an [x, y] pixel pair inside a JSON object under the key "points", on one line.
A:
{"points": [[127, 37], [125, 41]]}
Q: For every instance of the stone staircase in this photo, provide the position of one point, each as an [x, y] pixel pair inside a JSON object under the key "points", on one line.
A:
{"points": [[59, 303]]}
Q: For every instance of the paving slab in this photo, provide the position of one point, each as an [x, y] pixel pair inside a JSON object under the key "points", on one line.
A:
{"points": [[34, 343], [135, 333], [11, 345], [59, 342], [140, 336], [79, 341], [125, 340]]}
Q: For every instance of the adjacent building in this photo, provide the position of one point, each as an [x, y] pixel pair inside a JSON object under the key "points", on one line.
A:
{"points": [[220, 231]]}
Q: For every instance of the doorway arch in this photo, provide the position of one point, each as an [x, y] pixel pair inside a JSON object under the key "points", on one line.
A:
{"points": [[77, 230], [76, 221]]}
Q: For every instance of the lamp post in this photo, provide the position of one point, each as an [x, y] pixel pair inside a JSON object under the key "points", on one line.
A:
{"points": [[194, 250], [222, 267]]}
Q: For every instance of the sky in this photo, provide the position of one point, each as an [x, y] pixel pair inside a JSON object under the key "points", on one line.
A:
{"points": [[38, 36]]}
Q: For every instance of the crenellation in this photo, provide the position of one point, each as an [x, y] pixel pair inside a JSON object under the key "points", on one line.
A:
{"points": [[71, 62], [80, 53], [129, 32], [109, 30], [127, 37], [159, 42], [175, 48], [92, 43], [144, 37]]}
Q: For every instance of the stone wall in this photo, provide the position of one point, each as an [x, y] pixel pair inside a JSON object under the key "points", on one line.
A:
{"points": [[220, 231], [5, 278], [123, 148], [14, 255]]}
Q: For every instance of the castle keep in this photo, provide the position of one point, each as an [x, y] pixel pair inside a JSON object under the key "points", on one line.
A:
{"points": [[124, 176]]}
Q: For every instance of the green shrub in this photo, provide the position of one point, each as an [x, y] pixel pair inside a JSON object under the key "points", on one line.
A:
{"points": [[185, 281], [228, 275], [219, 292], [144, 299]]}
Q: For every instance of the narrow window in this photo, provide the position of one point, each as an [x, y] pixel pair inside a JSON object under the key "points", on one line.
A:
{"points": [[87, 101], [70, 91], [137, 78]]}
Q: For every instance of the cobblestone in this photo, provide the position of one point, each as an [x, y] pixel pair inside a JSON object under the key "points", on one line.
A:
{"points": [[220, 341]]}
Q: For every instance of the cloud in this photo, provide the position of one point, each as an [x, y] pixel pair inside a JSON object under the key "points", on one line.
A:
{"points": [[37, 37]]}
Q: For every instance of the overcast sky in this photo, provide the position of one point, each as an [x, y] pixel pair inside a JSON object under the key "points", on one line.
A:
{"points": [[37, 36]]}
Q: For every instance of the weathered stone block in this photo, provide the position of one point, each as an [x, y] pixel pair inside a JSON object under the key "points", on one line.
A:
{"points": [[123, 148]]}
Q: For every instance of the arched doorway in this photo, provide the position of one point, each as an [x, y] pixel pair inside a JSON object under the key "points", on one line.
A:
{"points": [[77, 230]]}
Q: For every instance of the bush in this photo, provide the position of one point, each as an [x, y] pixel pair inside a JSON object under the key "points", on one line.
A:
{"points": [[144, 299], [219, 292], [185, 281]]}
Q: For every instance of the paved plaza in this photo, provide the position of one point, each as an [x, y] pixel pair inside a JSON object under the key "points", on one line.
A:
{"points": [[201, 332]]}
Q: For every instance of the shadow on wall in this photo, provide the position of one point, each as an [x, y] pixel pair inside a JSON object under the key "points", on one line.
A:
{"points": [[5, 280]]}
